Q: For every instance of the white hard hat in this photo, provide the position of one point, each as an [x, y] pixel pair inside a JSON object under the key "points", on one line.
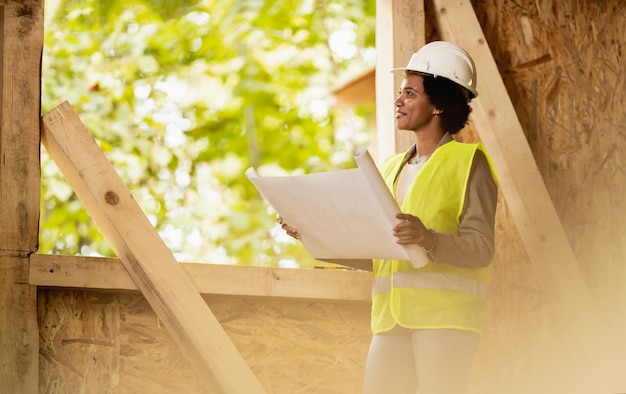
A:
{"points": [[444, 59]]}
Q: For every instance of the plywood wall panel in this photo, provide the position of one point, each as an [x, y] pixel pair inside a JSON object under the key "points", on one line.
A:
{"points": [[563, 65], [292, 346], [79, 342]]}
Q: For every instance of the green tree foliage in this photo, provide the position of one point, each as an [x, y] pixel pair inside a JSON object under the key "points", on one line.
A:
{"points": [[183, 96]]}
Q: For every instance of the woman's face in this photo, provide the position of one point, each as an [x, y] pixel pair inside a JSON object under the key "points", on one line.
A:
{"points": [[413, 107]]}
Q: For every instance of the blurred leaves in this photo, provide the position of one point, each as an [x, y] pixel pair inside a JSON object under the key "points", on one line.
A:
{"points": [[183, 96]]}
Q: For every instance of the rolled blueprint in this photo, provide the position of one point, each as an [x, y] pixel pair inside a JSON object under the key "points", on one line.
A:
{"points": [[388, 204], [343, 214]]}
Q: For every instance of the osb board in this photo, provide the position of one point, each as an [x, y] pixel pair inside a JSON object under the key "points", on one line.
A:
{"points": [[563, 64], [79, 334], [103, 342]]}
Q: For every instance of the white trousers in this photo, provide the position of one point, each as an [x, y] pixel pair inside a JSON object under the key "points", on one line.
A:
{"points": [[420, 361]]}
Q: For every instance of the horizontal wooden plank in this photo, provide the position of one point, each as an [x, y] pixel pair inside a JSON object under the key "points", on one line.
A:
{"points": [[110, 274]]}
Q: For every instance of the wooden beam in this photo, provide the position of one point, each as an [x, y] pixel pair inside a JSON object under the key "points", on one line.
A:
{"points": [[109, 274], [400, 31], [21, 43], [357, 91], [526, 195], [145, 256]]}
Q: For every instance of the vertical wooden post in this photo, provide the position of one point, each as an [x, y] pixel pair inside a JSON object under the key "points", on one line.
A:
{"points": [[400, 28], [21, 43]]}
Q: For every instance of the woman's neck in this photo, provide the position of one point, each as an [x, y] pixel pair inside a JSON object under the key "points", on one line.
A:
{"points": [[426, 142]]}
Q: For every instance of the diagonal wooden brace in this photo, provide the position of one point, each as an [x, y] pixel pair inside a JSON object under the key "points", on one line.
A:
{"points": [[570, 301], [145, 256]]}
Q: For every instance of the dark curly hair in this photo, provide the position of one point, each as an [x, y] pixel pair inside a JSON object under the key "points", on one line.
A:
{"points": [[451, 99]]}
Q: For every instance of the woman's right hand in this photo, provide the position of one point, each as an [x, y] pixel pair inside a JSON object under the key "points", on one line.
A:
{"points": [[292, 232]]}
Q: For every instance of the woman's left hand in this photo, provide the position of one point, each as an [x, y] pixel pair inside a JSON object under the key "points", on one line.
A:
{"points": [[411, 230], [292, 232]]}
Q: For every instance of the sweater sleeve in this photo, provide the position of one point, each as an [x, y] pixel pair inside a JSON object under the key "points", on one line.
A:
{"points": [[474, 244]]}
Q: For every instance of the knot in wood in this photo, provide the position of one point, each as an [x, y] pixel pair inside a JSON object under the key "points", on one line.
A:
{"points": [[111, 198]]}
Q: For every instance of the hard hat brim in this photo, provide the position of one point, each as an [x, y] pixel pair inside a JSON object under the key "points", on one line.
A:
{"points": [[402, 71]]}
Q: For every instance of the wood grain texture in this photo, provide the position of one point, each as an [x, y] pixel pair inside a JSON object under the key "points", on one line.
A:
{"points": [[21, 40], [109, 274], [121, 345], [401, 31], [21, 43], [562, 64]]}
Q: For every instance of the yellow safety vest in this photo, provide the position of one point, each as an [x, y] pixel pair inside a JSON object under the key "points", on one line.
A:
{"points": [[437, 295]]}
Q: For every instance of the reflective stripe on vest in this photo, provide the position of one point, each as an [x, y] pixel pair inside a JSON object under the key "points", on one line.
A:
{"points": [[430, 280]]}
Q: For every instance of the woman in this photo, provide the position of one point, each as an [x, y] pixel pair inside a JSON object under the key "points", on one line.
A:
{"points": [[426, 322]]}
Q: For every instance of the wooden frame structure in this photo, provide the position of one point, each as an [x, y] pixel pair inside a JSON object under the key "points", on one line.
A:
{"points": [[178, 302], [21, 43]]}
